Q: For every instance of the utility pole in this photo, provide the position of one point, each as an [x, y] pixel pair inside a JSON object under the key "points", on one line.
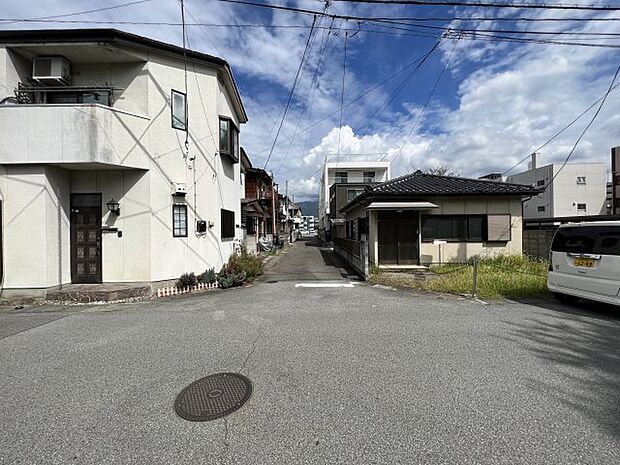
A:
{"points": [[287, 228], [273, 210]]}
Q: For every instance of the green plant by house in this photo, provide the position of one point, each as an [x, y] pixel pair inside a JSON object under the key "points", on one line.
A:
{"points": [[244, 262], [209, 276], [186, 280]]}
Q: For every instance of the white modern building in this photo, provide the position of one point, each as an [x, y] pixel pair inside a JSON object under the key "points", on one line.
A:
{"points": [[577, 189], [118, 160], [346, 172]]}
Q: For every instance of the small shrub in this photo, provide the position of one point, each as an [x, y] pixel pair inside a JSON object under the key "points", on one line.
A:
{"points": [[187, 280], [208, 276], [231, 279], [246, 263]]}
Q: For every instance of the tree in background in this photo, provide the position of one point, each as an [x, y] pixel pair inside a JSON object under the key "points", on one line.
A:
{"points": [[441, 170]]}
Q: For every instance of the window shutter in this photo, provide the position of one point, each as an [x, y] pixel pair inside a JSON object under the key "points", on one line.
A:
{"points": [[498, 228]]}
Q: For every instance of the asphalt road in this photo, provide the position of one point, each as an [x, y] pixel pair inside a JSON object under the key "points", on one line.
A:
{"points": [[341, 376]]}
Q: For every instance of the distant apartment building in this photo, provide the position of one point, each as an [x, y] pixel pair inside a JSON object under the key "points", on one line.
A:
{"points": [[577, 189], [357, 174], [307, 226]]}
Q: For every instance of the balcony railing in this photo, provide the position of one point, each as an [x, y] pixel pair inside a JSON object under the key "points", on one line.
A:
{"points": [[352, 246], [72, 134]]}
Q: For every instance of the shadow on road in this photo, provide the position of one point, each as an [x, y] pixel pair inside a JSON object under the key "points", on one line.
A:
{"points": [[582, 346]]}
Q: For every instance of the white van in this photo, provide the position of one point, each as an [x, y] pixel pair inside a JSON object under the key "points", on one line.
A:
{"points": [[585, 262]]}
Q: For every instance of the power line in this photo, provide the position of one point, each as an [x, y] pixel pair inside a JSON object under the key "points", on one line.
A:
{"points": [[356, 99], [399, 87], [467, 34], [557, 134], [473, 33], [76, 13], [290, 95], [311, 91], [536, 6], [428, 99], [344, 72], [598, 110]]}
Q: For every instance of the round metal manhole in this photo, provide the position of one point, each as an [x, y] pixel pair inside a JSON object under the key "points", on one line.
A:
{"points": [[212, 397]]}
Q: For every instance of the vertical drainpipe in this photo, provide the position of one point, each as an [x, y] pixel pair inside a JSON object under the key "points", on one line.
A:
{"points": [[59, 217]]}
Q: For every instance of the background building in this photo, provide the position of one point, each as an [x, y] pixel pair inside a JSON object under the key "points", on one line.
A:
{"points": [[365, 172], [577, 189]]}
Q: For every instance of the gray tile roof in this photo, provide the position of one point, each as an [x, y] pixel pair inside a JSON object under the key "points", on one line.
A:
{"points": [[419, 183]]}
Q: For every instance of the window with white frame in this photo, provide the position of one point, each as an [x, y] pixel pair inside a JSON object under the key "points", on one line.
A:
{"points": [[229, 139], [179, 220], [541, 208], [581, 180], [581, 207], [179, 110]]}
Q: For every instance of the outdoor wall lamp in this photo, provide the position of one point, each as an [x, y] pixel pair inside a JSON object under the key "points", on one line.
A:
{"points": [[114, 206]]}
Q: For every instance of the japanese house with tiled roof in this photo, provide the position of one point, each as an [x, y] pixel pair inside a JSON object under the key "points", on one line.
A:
{"points": [[419, 219]]}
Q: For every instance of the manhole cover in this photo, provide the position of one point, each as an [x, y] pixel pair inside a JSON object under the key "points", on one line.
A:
{"points": [[212, 397]]}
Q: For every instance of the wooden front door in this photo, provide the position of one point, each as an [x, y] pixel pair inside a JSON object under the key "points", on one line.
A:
{"points": [[398, 238], [86, 238]]}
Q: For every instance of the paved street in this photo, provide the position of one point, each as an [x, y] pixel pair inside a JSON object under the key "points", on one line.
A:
{"points": [[341, 376]]}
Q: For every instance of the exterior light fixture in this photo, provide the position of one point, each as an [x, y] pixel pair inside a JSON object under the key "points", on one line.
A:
{"points": [[114, 206]]}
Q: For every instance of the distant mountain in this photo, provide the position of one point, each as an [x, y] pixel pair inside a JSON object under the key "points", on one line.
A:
{"points": [[309, 207]]}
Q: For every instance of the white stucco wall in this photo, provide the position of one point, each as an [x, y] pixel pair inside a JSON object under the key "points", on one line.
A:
{"points": [[562, 196], [99, 149]]}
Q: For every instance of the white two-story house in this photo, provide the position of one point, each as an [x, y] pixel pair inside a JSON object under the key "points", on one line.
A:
{"points": [[119, 160]]}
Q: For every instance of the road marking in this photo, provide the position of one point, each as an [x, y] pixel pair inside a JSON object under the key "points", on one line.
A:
{"points": [[324, 285]]}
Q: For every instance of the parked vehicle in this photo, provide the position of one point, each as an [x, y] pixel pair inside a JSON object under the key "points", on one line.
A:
{"points": [[585, 262]]}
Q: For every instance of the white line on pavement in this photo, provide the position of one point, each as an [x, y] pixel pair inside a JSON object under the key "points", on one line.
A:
{"points": [[324, 285]]}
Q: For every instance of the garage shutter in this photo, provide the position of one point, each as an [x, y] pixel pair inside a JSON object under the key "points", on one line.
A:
{"points": [[498, 228]]}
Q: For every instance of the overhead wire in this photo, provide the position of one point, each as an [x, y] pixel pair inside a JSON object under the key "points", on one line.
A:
{"points": [[598, 110], [356, 99], [428, 99], [311, 92], [478, 4], [344, 73], [390, 98], [75, 13], [292, 91], [558, 133]]}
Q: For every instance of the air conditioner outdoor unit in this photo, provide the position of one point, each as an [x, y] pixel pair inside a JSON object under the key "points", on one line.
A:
{"points": [[179, 188], [51, 70]]}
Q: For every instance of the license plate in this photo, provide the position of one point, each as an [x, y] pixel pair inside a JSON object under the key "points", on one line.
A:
{"points": [[584, 262]]}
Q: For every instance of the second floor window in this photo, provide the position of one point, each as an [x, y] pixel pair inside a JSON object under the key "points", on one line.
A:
{"points": [[541, 182], [341, 176], [541, 208], [581, 207], [369, 176], [352, 193], [581, 180], [229, 139], [179, 110]]}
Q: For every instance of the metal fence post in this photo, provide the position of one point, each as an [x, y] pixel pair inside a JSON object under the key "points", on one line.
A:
{"points": [[475, 285]]}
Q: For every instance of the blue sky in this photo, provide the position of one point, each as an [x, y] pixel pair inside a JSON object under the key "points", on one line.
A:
{"points": [[495, 103]]}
